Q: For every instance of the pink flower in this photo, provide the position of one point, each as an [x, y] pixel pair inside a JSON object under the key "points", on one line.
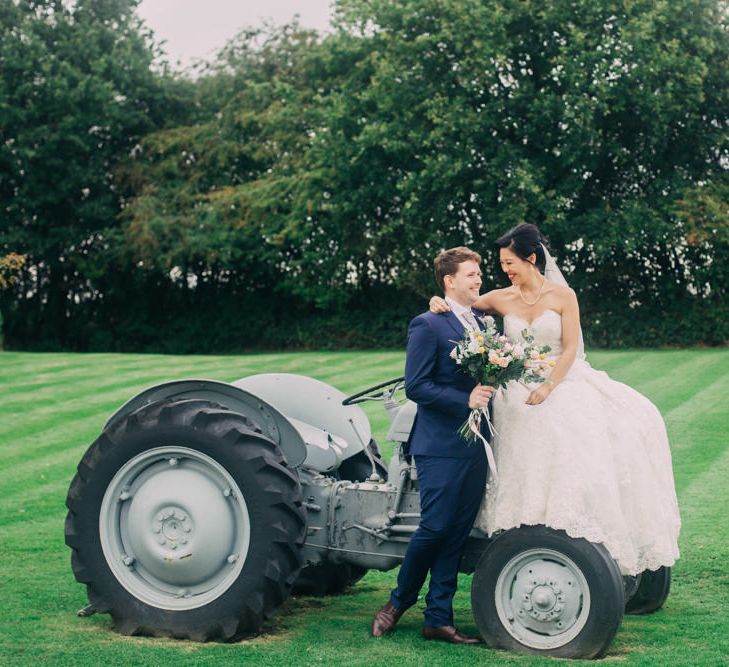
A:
{"points": [[534, 354]]}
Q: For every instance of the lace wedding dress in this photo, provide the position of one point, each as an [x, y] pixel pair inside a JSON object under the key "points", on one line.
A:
{"points": [[593, 460]]}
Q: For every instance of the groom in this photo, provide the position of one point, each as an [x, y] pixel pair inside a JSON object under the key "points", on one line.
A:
{"points": [[451, 473]]}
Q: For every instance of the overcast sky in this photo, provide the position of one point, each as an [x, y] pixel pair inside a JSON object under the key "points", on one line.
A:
{"points": [[198, 28]]}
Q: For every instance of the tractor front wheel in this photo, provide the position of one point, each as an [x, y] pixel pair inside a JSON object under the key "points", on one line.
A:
{"points": [[537, 590]]}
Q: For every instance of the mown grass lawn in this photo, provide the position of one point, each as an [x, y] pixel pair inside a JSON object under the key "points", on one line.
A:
{"points": [[53, 405]]}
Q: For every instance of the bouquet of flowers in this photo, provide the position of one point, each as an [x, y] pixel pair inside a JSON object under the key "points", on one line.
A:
{"points": [[492, 359]]}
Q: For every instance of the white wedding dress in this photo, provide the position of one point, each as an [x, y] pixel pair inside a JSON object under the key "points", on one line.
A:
{"points": [[593, 460]]}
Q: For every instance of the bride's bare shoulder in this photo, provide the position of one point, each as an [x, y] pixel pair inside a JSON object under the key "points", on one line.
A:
{"points": [[495, 300], [563, 297], [560, 291]]}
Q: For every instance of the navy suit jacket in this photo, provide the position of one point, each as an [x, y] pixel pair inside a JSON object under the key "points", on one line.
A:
{"points": [[439, 387]]}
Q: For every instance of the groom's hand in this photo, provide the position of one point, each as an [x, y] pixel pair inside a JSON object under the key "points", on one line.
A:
{"points": [[480, 396]]}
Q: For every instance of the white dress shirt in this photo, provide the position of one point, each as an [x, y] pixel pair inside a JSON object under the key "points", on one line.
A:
{"points": [[464, 314]]}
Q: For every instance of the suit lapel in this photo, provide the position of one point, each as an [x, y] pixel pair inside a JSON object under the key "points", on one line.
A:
{"points": [[455, 323]]}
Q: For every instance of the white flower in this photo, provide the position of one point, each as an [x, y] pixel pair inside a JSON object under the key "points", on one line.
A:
{"points": [[454, 353], [518, 351]]}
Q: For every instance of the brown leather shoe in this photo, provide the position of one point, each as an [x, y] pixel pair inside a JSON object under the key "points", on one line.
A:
{"points": [[385, 620], [448, 633]]}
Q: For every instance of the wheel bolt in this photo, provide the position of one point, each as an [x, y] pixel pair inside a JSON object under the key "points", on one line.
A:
{"points": [[232, 558], [128, 560], [227, 492], [173, 461], [124, 495]]}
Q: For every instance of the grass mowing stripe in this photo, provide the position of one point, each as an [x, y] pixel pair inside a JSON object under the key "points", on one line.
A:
{"points": [[612, 362], [129, 376], [163, 368], [668, 389], [698, 438]]}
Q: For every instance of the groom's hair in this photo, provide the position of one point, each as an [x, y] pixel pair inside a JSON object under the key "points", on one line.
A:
{"points": [[446, 263]]}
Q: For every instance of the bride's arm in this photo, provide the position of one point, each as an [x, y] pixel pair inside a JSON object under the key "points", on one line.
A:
{"points": [[570, 341], [484, 303]]}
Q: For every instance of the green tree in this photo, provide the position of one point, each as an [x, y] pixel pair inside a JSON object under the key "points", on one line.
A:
{"points": [[77, 91], [593, 120]]}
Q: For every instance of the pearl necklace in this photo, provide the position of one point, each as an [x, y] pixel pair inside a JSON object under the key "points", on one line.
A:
{"points": [[539, 296]]}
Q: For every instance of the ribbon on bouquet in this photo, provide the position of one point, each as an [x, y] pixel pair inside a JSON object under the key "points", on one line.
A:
{"points": [[474, 424]]}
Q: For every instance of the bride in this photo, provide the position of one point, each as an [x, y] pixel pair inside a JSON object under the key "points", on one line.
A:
{"points": [[579, 452]]}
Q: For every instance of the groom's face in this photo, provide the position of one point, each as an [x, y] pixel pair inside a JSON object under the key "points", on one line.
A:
{"points": [[465, 284]]}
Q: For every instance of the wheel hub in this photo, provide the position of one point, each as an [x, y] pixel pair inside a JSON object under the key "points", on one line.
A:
{"points": [[174, 528], [542, 598]]}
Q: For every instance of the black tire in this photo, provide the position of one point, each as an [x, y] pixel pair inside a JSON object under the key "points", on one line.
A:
{"points": [[327, 579], [225, 455], [515, 612], [358, 468], [651, 593]]}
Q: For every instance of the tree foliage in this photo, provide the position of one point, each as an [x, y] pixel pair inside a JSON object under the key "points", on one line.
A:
{"points": [[297, 191], [76, 94]]}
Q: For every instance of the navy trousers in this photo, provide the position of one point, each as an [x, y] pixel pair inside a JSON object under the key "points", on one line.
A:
{"points": [[451, 491]]}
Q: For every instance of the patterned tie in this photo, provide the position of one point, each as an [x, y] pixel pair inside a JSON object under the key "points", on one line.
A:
{"points": [[471, 319]]}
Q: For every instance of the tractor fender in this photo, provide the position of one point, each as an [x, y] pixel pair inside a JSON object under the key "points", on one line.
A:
{"points": [[315, 403], [273, 424]]}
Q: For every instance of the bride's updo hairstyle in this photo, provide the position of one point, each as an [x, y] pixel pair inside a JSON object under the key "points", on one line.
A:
{"points": [[524, 240]]}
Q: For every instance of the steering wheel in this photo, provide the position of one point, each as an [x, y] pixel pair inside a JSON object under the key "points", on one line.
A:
{"points": [[387, 389]]}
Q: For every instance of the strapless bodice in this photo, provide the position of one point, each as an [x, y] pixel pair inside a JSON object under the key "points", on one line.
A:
{"points": [[546, 329]]}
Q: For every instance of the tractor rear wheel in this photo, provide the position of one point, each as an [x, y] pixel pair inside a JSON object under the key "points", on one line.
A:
{"points": [[358, 468], [327, 579], [185, 521], [537, 590]]}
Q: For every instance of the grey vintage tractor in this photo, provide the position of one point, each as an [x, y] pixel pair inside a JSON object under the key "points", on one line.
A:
{"points": [[203, 505]]}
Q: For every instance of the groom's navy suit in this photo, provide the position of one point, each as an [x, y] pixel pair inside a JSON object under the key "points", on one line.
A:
{"points": [[451, 472]]}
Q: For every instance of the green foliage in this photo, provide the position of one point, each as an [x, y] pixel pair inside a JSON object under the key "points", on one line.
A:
{"points": [[76, 94], [323, 173]]}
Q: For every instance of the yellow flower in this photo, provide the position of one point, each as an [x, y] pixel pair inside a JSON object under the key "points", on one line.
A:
{"points": [[481, 350], [479, 339], [552, 363], [542, 356]]}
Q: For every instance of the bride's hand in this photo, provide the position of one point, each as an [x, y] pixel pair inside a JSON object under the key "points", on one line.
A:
{"points": [[438, 305], [539, 395]]}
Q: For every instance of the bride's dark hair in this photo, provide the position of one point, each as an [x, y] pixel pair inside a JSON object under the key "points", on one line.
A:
{"points": [[523, 240]]}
